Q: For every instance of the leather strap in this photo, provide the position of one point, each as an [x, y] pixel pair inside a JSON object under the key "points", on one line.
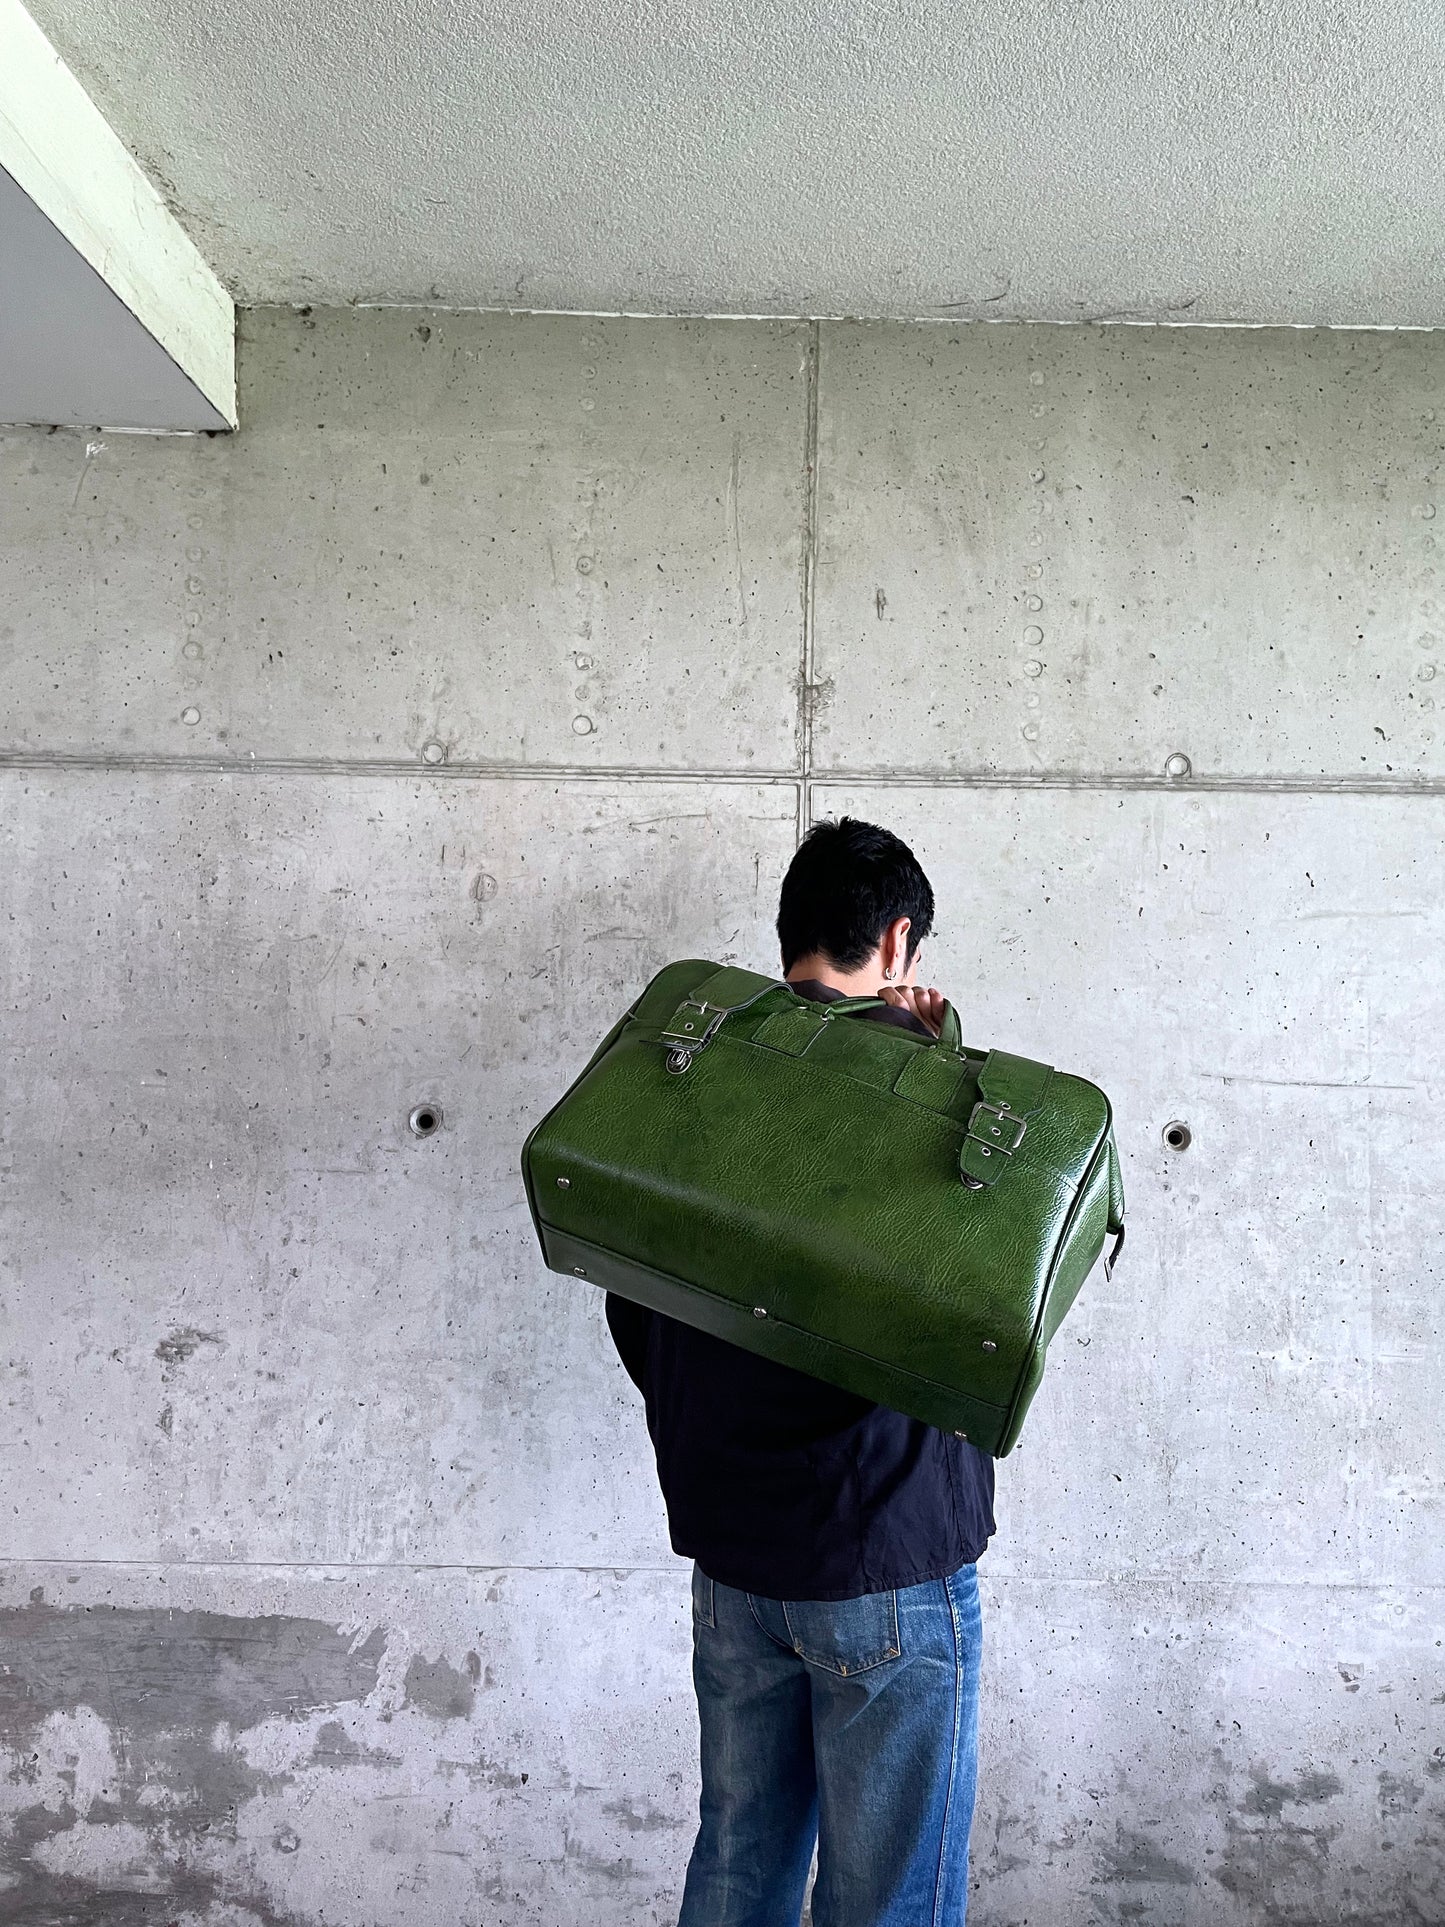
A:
{"points": [[700, 1014], [733, 988], [1010, 1090], [791, 1029], [950, 1034], [1115, 1224]]}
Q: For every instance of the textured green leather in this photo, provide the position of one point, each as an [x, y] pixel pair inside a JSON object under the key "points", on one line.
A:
{"points": [[906, 1218]]}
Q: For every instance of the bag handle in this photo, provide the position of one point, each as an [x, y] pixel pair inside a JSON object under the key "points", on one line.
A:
{"points": [[700, 1015], [950, 1033]]}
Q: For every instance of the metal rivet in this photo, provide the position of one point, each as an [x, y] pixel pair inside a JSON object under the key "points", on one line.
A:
{"points": [[962, 1435], [989, 1345], [580, 1270], [760, 1311], [564, 1184]]}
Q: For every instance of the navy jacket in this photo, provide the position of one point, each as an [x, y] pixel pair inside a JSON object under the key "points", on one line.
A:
{"points": [[781, 1485]]}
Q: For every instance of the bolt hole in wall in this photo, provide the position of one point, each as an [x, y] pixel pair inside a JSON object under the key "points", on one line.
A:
{"points": [[1178, 1136], [425, 1120]]}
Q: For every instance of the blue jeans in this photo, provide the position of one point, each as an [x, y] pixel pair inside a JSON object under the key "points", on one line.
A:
{"points": [[854, 1724]]}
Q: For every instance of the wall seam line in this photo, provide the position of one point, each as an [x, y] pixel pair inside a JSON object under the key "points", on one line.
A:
{"points": [[810, 567], [21, 1563], [804, 775]]}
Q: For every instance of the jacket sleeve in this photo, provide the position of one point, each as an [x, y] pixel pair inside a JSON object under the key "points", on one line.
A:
{"points": [[629, 1325]]}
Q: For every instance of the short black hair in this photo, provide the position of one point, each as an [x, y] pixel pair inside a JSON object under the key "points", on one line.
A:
{"points": [[846, 883]]}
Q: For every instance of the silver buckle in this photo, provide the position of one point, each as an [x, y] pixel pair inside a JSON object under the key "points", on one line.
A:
{"points": [[993, 1136], [693, 1033]]}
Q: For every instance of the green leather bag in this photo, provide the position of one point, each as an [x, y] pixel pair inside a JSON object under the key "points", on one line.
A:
{"points": [[905, 1218]]}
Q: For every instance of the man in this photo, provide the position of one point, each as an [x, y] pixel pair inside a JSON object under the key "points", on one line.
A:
{"points": [[836, 1631]]}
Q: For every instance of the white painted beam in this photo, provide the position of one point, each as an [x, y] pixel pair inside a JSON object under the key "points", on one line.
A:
{"points": [[58, 149]]}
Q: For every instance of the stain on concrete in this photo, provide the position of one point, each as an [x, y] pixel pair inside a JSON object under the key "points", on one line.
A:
{"points": [[336, 1747], [587, 1861], [1269, 1798], [60, 1900], [1134, 1857], [1398, 1795], [816, 696], [433, 1686], [1277, 1855], [638, 1816], [153, 1696], [179, 1345]]}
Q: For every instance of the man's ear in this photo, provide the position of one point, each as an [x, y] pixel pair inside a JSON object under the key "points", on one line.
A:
{"points": [[895, 946]]}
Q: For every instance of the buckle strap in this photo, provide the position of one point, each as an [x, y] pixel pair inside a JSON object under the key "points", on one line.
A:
{"points": [[696, 1021], [693, 1023], [1010, 1090]]}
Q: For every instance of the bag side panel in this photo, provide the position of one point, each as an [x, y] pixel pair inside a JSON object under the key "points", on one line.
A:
{"points": [[682, 975], [918, 1397], [1080, 1247]]}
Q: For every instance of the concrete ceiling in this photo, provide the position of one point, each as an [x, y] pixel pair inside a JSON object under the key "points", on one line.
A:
{"points": [[1222, 160]]}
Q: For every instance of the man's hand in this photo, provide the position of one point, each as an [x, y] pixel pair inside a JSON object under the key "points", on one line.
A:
{"points": [[924, 1003]]}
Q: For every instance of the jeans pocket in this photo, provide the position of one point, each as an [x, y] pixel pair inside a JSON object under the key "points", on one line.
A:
{"points": [[704, 1602], [845, 1636]]}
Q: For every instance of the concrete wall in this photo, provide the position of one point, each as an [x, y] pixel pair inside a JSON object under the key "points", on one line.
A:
{"points": [[378, 755]]}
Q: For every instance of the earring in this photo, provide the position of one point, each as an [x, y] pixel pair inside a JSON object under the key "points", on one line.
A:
{"points": [[889, 973]]}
